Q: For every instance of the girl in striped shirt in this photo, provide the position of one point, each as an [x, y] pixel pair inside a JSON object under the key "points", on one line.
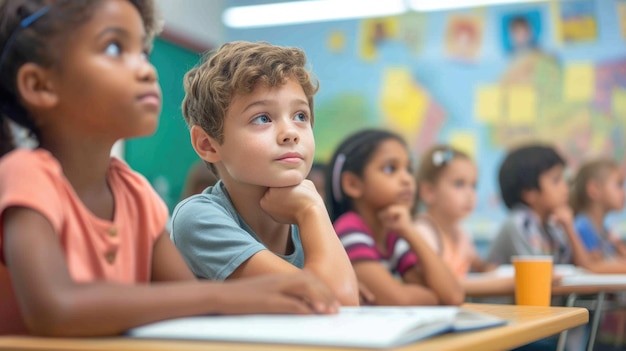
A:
{"points": [[370, 192]]}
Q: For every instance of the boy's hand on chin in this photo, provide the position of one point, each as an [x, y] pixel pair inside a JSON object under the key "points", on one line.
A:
{"points": [[563, 215], [289, 204]]}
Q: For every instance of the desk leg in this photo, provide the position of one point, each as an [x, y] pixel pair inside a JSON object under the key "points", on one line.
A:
{"points": [[596, 321], [571, 298]]}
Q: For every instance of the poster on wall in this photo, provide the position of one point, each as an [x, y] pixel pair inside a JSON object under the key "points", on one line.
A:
{"points": [[412, 31], [374, 33], [577, 21], [521, 31], [464, 37]]}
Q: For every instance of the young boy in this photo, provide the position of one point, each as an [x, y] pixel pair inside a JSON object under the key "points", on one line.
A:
{"points": [[249, 108], [532, 186]]}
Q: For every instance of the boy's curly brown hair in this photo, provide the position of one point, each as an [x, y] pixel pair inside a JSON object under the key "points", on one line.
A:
{"points": [[236, 68]]}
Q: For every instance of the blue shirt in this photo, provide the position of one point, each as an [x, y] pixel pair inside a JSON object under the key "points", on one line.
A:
{"points": [[213, 238], [591, 238]]}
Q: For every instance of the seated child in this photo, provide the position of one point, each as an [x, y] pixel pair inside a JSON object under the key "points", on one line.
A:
{"points": [[533, 188], [597, 190], [446, 193], [541, 222], [370, 192], [82, 236], [250, 110]]}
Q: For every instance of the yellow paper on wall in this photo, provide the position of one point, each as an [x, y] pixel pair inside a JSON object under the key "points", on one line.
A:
{"points": [[464, 141], [403, 102], [488, 103], [521, 105], [619, 102], [578, 82]]}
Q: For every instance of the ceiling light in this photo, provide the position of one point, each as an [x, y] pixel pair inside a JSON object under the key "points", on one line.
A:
{"points": [[438, 5], [298, 12]]}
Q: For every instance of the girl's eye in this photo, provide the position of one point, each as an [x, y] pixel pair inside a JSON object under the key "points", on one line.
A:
{"points": [[301, 117], [113, 49], [262, 119]]}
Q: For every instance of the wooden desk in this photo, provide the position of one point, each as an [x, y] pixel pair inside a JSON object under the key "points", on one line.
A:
{"points": [[526, 324], [572, 285]]}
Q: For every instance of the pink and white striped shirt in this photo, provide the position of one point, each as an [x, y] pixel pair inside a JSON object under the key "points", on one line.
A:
{"points": [[358, 241]]}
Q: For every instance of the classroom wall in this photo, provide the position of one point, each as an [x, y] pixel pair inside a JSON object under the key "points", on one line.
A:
{"points": [[457, 77]]}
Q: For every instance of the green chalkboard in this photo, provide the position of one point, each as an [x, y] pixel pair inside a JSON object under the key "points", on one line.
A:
{"points": [[165, 157]]}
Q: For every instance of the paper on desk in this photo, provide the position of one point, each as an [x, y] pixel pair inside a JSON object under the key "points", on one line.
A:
{"points": [[366, 326]]}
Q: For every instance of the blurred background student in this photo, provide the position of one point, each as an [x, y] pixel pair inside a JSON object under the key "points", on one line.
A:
{"points": [[446, 195], [597, 190]]}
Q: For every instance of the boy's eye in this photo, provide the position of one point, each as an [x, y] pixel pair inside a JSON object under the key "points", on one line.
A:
{"points": [[301, 117], [262, 119], [113, 49]]}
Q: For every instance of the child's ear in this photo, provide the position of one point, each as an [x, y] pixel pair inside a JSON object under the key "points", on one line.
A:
{"points": [[35, 87], [351, 185], [529, 196], [206, 146]]}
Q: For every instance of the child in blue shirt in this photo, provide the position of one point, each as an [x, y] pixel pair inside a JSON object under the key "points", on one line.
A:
{"points": [[597, 190]]}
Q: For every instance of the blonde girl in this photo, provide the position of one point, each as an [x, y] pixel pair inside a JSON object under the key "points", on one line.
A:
{"points": [[370, 192], [446, 195], [83, 245], [597, 190]]}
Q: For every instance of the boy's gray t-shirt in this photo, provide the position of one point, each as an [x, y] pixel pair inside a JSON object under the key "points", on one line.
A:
{"points": [[214, 240], [522, 233]]}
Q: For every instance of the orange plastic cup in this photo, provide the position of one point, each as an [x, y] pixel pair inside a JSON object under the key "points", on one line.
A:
{"points": [[533, 280]]}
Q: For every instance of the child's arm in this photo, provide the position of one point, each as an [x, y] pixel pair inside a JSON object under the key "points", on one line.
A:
{"points": [[582, 258], [488, 285], [620, 247], [478, 265], [434, 273], [324, 255], [52, 303], [389, 290]]}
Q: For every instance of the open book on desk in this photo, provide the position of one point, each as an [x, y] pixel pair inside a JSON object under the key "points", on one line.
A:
{"points": [[365, 326]]}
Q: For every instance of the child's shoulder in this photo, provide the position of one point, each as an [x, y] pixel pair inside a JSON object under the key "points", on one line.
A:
{"points": [[20, 161], [119, 168], [213, 200]]}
